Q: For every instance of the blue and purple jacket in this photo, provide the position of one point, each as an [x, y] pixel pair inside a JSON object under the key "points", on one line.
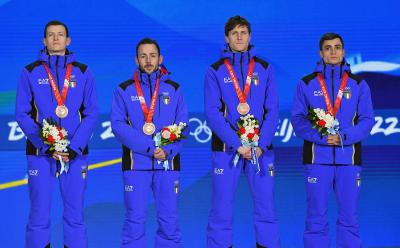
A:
{"points": [[221, 100], [35, 101], [355, 115], [127, 120]]}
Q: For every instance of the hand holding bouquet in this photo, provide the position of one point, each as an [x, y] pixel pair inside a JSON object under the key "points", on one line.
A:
{"points": [[56, 138], [169, 135], [324, 121], [248, 132]]}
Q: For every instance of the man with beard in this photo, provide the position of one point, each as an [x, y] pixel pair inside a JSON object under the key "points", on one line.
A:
{"points": [[142, 106]]}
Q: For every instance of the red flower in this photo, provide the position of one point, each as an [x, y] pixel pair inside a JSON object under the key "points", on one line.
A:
{"points": [[61, 135], [165, 129], [321, 123], [50, 139], [172, 137], [242, 130], [256, 130], [250, 135], [59, 129]]}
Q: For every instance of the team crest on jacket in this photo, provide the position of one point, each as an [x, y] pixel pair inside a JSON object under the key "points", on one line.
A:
{"points": [[72, 81], [83, 172], [347, 93], [255, 79], [165, 98]]}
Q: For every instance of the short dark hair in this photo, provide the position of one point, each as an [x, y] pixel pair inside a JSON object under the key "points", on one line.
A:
{"points": [[236, 21], [329, 36], [55, 23], [147, 41]]}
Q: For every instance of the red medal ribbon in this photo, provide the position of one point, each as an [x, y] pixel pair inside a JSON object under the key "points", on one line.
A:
{"points": [[148, 114], [339, 94], [242, 96], [60, 98]]}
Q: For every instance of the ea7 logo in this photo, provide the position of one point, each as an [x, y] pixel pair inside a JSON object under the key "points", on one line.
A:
{"points": [[33, 173], [128, 188], [227, 80], [218, 171], [135, 98], [317, 92], [312, 180], [43, 81]]}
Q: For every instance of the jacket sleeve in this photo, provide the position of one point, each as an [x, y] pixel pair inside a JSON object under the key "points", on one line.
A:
{"points": [[214, 114], [24, 108], [271, 112], [181, 115], [301, 124], [365, 118], [135, 140], [89, 115]]}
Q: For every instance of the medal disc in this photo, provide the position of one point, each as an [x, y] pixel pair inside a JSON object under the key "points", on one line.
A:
{"points": [[149, 128], [62, 111], [243, 108]]}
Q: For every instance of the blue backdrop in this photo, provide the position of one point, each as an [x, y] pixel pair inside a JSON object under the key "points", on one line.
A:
{"points": [[286, 33]]}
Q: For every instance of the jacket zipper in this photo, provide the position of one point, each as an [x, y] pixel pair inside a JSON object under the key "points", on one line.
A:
{"points": [[241, 69], [333, 99], [152, 136], [58, 85]]}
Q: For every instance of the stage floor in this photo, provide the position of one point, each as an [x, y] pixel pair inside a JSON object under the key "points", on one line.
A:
{"points": [[104, 211]]}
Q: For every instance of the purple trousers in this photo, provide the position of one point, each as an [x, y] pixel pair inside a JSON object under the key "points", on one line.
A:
{"points": [[41, 177], [165, 187], [225, 178], [320, 181]]}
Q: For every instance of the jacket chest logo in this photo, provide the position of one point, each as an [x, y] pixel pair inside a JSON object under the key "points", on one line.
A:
{"points": [[135, 98], [318, 93], [227, 80], [43, 81]]}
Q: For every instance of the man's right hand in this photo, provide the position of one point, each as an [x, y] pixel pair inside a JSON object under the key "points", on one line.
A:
{"points": [[160, 154], [333, 140], [64, 156], [245, 152]]}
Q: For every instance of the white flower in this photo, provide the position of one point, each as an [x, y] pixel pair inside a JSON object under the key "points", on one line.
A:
{"points": [[64, 132], [61, 145], [248, 129], [256, 137]]}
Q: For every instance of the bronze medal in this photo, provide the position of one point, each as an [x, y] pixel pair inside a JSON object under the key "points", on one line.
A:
{"points": [[62, 111], [243, 108], [149, 128]]}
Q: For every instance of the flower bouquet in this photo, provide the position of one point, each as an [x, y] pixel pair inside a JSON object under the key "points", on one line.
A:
{"points": [[169, 135], [56, 138], [324, 121], [249, 134]]}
